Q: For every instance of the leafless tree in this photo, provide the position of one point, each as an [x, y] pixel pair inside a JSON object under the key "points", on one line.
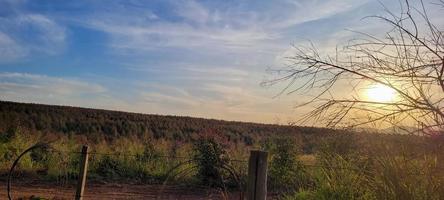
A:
{"points": [[409, 59]]}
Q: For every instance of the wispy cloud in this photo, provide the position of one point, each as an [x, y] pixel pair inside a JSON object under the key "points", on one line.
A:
{"points": [[42, 88], [154, 36], [25, 33], [306, 10], [186, 57], [219, 101], [193, 11], [215, 29], [9, 49]]}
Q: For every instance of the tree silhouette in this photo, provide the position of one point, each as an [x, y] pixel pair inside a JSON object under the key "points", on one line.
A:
{"points": [[409, 59]]}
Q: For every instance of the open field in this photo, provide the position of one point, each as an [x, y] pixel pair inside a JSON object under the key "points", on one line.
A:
{"points": [[303, 163]]}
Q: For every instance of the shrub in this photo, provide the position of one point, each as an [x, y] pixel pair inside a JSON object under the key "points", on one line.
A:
{"points": [[12, 144], [286, 172], [110, 167], [210, 157]]}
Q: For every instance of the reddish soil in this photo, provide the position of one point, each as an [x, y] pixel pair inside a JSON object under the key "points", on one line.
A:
{"points": [[111, 191]]}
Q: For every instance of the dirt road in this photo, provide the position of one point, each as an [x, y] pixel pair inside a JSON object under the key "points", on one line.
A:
{"points": [[111, 191]]}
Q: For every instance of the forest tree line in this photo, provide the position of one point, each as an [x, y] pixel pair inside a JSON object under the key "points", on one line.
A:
{"points": [[99, 124]]}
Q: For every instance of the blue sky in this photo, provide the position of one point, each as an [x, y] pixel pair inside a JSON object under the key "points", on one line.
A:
{"points": [[194, 58]]}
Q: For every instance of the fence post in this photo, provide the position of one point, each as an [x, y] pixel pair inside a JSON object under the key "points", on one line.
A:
{"points": [[82, 173], [257, 176]]}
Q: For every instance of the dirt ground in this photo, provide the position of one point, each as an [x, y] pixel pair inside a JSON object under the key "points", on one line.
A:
{"points": [[110, 191]]}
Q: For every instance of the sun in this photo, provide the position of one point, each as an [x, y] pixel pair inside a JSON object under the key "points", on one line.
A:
{"points": [[380, 93]]}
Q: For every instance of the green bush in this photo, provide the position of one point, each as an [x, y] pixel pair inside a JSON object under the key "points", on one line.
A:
{"points": [[12, 144], [62, 167], [109, 167], [286, 173], [211, 159]]}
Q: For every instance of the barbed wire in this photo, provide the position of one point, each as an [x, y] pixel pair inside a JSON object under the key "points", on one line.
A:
{"points": [[231, 160], [135, 155], [363, 171], [234, 160]]}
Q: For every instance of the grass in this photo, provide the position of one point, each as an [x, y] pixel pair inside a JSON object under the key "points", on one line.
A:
{"points": [[343, 167]]}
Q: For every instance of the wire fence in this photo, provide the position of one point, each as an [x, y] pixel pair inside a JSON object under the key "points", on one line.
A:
{"points": [[411, 157], [135, 155], [68, 175], [64, 172]]}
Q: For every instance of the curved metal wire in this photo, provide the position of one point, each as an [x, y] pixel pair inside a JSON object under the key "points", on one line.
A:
{"points": [[16, 161]]}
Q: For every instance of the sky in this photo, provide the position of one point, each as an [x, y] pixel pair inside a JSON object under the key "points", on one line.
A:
{"points": [[171, 57]]}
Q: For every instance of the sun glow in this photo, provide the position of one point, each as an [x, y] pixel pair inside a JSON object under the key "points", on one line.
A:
{"points": [[380, 93]]}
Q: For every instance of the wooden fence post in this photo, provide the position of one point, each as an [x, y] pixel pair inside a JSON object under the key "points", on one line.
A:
{"points": [[82, 173], [257, 176]]}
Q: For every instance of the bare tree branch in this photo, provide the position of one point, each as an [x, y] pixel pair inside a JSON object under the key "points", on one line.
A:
{"points": [[409, 60]]}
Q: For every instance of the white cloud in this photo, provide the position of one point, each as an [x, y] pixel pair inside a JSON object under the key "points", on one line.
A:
{"points": [[215, 71], [153, 36], [46, 89], [192, 11], [308, 10], [23, 34], [49, 37], [171, 101], [246, 34], [213, 29], [219, 100], [9, 49], [200, 58], [213, 100], [151, 16]]}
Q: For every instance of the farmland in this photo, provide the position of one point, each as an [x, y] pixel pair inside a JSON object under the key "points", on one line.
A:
{"points": [[141, 149]]}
